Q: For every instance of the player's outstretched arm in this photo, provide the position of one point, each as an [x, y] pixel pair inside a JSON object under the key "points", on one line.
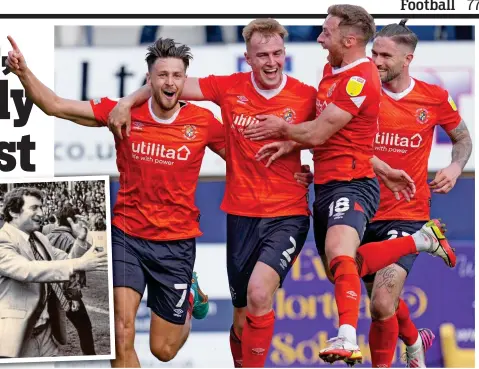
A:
{"points": [[120, 115], [308, 134], [446, 178], [50, 103]]}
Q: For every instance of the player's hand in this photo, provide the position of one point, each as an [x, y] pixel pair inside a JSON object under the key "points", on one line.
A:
{"points": [[305, 177], [399, 182], [274, 151], [79, 227], [446, 179], [15, 60], [91, 260], [120, 117], [269, 126]]}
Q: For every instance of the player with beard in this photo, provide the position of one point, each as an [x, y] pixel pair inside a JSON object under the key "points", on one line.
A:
{"points": [[409, 108], [267, 211], [346, 187], [155, 216], [155, 219]]}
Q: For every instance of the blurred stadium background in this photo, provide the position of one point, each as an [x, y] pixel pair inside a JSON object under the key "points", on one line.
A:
{"points": [[97, 61]]}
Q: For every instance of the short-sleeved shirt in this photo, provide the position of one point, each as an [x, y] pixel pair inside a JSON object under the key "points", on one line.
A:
{"points": [[406, 129], [159, 165], [356, 89], [251, 188]]}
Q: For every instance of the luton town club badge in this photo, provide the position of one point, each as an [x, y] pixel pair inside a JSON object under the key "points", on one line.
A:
{"points": [[189, 131]]}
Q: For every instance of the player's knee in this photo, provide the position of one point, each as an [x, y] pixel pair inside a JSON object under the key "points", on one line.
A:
{"points": [[382, 307], [124, 333], [258, 297], [341, 240], [163, 352]]}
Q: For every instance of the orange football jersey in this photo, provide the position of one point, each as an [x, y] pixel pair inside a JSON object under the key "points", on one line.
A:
{"points": [[251, 188], [159, 165], [355, 88], [406, 130]]}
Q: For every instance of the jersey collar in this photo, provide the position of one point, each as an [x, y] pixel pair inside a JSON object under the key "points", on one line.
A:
{"points": [[269, 94], [349, 66], [399, 95], [164, 121]]}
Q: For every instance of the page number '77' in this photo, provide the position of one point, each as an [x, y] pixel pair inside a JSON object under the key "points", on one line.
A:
{"points": [[473, 1]]}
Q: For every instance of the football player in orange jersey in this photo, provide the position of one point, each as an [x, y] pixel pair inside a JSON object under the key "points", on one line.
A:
{"points": [[346, 186], [259, 219], [410, 111], [153, 237], [267, 211]]}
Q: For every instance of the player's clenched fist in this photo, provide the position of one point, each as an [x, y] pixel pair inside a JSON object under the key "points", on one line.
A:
{"points": [[15, 60]]}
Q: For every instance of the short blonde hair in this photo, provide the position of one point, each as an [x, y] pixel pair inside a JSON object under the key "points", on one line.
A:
{"points": [[356, 17], [266, 27]]}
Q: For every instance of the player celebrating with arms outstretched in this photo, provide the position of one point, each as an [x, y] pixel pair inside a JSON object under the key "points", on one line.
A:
{"points": [[155, 221], [267, 211]]}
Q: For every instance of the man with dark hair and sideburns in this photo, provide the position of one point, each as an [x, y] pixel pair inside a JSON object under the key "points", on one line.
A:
{"points": [[32, 272]]}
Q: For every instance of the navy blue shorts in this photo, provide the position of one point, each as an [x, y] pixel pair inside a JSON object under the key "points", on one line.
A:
{"points": [[383, 230], [166, 267], [274, 241], [351, 203]]}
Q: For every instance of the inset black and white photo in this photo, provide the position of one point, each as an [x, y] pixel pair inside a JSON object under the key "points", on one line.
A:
{"points": [[55, 275]]}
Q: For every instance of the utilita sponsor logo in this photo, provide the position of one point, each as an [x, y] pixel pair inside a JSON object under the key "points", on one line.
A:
{"points": [[242, 121], [160, 151], [394, 142]]}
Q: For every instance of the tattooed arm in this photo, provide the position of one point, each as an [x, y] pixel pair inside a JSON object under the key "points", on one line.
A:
{"points": [[462, 144], [461, 151]]}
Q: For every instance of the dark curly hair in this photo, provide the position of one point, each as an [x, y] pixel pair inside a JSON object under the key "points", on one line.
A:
{"points": [[14, 200]]}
